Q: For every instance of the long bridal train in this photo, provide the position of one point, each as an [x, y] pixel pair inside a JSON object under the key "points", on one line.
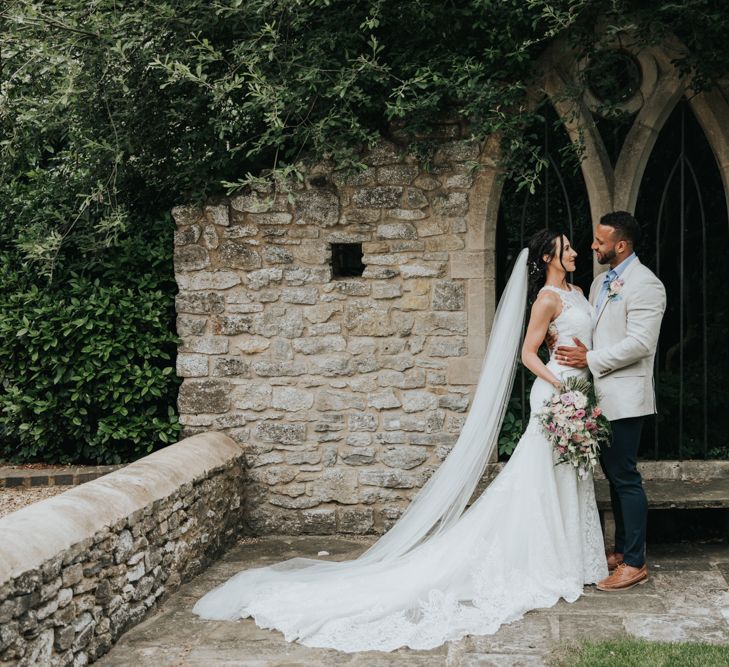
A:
{"points": [[440, 573]]}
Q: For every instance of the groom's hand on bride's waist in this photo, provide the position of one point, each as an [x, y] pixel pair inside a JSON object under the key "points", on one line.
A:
{"points": [[573, 356]]}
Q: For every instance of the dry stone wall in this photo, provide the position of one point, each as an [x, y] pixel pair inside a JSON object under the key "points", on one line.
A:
{"points": [[347, 393], [79, 569]]}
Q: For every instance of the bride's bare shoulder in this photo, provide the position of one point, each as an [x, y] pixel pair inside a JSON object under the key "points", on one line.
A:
{"points": [[547, 301]]}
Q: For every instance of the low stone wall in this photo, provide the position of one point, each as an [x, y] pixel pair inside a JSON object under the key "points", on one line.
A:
{"points": [[78, 569]]}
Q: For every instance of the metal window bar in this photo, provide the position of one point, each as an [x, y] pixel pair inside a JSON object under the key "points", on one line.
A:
{"points": [[682, 164]]}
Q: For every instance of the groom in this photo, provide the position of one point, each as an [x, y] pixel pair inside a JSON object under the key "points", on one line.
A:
{"points": [[629, 301]]}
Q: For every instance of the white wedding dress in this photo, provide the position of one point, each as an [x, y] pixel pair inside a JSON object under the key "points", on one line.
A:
{"points": [[531, 538]]}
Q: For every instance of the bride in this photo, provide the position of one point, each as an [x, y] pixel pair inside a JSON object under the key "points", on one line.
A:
{"points": [[440, 572]]}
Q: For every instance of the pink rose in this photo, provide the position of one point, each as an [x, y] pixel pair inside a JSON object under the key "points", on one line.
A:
{"points": [[580, 413], [596, 411], [567, 398]]}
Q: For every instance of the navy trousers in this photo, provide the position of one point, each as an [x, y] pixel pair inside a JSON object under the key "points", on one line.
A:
{"points": [[619, 462]]}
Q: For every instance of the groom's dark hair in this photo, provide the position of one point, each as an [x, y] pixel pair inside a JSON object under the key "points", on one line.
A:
{"points": [[625, 225]]}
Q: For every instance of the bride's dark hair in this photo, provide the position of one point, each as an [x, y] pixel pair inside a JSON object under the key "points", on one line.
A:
{"points": [[545, 242]]}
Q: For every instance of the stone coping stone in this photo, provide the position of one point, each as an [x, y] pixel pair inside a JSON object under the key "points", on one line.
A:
{"points": [[671, 493], [38, 532], [13, 476]]}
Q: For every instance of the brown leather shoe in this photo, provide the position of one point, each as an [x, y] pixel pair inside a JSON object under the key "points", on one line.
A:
{"points": [[613, 560], [625, 576]]}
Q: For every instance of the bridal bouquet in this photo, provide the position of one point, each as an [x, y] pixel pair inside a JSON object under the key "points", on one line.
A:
{"points": [[575, 425]]}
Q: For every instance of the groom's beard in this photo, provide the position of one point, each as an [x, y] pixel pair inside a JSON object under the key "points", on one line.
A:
{"points": [[607, 257]]}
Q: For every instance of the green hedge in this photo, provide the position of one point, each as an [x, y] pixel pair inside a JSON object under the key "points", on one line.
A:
{"points": [[87, 367]]}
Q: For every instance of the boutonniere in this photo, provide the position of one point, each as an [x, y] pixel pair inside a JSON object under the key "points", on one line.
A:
{"points": [[614, 289]]}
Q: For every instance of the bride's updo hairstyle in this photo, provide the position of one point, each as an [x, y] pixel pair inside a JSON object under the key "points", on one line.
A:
{"points": [[545, 242]]}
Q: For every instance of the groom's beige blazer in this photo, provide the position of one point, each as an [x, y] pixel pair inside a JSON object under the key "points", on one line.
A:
{"points": [[625, 336]]}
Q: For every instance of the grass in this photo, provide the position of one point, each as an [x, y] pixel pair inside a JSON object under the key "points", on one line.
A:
{"points": [[638, 653]]}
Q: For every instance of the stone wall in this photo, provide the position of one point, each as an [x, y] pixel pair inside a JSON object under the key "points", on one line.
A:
{"points": [[78, 569], [345, 392]]}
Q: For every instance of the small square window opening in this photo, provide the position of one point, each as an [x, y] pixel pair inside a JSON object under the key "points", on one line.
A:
{"points": [[347, 260]]}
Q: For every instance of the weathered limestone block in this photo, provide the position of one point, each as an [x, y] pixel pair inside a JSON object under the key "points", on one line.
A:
{"points": [[441, 323], [357, 456], [231, 367], [283, 433], [187, 215], [320, 344], [365, 421], [396, 230], [192, 365], [317, 207], [300, 295], [416, 199], [329, 400], [417, 401], [382, 196], [190, 325], [410, 379], [331, 365], [462, 150], [291, 399], [191, 258], [231, 325], [400, 174], [451, 204], [405, 214], [383, 400], [384, 152], [238, 229], [207, 280], [448, 295], [329, 422], [312, 252], [404, 457], [205, 344], [352, 178], [200, 303], [217, 215], [353, 287], [252, 202], [275, 322], [279, 218], [362, 319], [383, 290], [276, 255], [187, 235], [389, 479], [204, 396], [257, 280], [269, 368], [355, 521], [422, 269], [336, 485], [427, 182], [447, 346], [238, 255]]}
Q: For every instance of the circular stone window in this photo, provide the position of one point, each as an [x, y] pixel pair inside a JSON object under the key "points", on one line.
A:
{"points": [[613, 77]]}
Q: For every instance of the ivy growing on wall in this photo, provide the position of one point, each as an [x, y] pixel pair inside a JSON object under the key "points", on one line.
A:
{"points": [[111, 113]]}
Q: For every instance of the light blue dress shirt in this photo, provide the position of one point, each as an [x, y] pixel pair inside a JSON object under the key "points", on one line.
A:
{"points": [[611, 275]]}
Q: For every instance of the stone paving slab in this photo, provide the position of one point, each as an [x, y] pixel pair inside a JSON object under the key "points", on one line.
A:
{"points": [[687, 599]]}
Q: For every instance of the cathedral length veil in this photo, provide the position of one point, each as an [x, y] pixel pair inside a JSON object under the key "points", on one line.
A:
{"points": [[310, 593]]}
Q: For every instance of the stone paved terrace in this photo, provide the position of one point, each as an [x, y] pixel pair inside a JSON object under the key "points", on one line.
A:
{"points": [[686, 599]]}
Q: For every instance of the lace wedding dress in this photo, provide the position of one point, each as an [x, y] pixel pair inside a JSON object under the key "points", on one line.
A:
{"points": [[440, 573]]}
